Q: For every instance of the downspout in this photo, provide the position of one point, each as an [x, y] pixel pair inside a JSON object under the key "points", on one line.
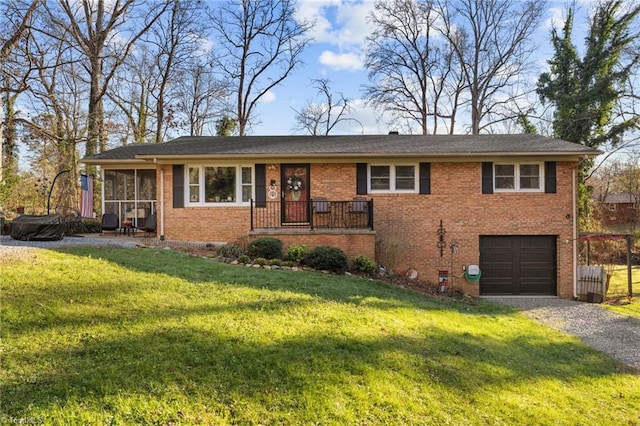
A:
{"points": [[161, 212], [575, 230]]}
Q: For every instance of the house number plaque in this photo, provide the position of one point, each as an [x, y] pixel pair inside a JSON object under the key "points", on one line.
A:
{"points": [[272, 193]]}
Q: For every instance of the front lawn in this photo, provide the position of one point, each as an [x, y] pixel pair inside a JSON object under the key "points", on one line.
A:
{"points": [[153, 336], [619, 289]]}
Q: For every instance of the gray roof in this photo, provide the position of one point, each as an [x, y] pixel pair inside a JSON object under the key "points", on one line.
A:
{"points": [[360, 146], [620, 198]]}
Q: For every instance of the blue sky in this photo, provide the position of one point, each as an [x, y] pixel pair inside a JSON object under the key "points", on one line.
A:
{"points": [[337, 54]]}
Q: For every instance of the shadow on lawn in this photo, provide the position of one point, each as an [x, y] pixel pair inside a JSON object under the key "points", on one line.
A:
{"points": [[327, 286], [224, 372], [226, 369]]}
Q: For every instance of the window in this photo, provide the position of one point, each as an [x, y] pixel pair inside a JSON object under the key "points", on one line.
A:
{"points": [[405, 177], [210, 184], [380, 178], [518, 177], [392, 178], [220, 184], [194, 184]]}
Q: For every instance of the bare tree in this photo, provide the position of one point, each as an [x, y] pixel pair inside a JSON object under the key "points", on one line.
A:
{"points": [[412, 72], [92, 26], [16, 20], [491, 39], [203, 99], [132, 97], [56, 90], [18, 25], [261, 43], [320, 118], [177, 39], [148, 93]]}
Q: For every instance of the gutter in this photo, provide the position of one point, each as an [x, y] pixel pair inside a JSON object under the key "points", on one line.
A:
{"points": [[466, 156], [574, 180]]}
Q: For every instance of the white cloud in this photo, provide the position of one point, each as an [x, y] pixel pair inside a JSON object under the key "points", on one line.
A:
{"points": [[341, 61], [556, 18], [268, 97], [338, 22]]}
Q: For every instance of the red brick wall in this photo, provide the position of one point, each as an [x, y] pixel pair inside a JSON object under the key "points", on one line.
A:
{"points": [[405, 224], [410, 221]]}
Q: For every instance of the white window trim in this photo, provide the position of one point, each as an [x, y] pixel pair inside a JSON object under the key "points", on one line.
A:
{"points": [[517, 165], [203, 202], [392, 179]]}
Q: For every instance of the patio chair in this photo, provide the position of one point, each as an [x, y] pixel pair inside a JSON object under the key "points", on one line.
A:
{"points": [[358, 209], [110, 222], [322, 212], [150, 225]]}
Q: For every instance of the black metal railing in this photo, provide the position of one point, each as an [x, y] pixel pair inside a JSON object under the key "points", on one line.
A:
{"points": [[314, 213]]}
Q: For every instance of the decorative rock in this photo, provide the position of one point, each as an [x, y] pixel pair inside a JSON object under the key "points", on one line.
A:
{"points": [[235, 262], [256, 266]]}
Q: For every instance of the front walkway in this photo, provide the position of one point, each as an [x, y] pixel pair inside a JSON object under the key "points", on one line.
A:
{"points": [[614, 334]]}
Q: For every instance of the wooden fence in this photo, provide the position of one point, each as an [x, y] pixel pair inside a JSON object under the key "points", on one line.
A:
{"points": [[592, 283]]}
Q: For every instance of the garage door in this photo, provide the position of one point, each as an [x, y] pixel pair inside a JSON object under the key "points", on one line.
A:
{"points": [[518, 265]]}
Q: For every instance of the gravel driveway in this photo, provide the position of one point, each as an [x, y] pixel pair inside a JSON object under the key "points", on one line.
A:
{"points": [[6, 241], [612, 333]]}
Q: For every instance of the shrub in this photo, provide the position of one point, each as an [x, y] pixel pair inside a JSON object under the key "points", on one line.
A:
{"points": [[85, 226], [244, 259], [289, 263], [364, 264], [267, 247], [327, 258], [230, 251], [275, 262], [260, 261], [297, 252]]}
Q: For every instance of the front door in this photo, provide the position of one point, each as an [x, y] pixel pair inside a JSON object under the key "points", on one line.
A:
{"points": [[295, 193]]}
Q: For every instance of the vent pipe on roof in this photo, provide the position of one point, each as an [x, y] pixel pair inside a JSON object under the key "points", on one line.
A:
{"points": [[394, 132]]}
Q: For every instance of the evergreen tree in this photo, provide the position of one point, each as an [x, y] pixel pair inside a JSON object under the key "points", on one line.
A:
{"points": [[585, 91], [226, 126]]}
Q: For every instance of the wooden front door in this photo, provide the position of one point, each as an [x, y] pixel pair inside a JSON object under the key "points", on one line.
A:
{"points": [[295, 193]]}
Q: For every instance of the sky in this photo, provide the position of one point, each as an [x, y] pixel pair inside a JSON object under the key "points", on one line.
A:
{"points": [[336, 54]]}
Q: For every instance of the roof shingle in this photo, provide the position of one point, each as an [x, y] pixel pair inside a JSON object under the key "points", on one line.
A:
{"points": [[337, 146]]}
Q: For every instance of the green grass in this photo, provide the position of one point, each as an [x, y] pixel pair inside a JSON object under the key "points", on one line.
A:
{"points": [[150, 336], [619, 289]]}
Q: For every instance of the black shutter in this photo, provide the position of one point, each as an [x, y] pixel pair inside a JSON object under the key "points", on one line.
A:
{"points": [[425, 178], [487, 177], [261, 185], [178, 186], [550, 177], [361, 178]]}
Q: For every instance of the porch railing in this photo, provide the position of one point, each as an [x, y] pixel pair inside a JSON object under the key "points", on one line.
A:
{"points": [[314, 213]]}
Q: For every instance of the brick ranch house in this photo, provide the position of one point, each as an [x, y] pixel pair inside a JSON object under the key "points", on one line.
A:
{"points": [[420, 205]]}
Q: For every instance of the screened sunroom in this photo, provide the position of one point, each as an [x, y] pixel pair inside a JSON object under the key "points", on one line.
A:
{"points": [[130, 193]]}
